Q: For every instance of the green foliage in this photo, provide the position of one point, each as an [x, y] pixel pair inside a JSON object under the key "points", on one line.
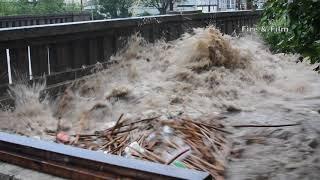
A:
{"points": [[49, 6], [40, 7], [7, 8], [301, 17], [252, 4], [116, 8]]}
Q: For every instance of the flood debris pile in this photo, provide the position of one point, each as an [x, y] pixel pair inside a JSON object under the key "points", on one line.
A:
{"points": [[180, 141]]}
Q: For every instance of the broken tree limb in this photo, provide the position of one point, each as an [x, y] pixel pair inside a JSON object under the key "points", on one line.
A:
{"points": [[178, 155], [207, 125], [142, 120], [117, 123]]}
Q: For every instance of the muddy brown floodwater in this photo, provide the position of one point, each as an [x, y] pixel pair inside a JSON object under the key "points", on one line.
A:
{"points": [[199, 75]]}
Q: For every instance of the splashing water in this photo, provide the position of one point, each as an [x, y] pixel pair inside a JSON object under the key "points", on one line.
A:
{"points": [[200, 74]]}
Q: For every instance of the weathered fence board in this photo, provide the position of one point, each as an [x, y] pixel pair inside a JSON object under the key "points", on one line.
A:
{"points": [[80, 51], [39, 56], [68, 47], [19, 63]]}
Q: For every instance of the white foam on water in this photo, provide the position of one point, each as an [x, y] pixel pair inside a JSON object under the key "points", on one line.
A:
{"points": [[199, 74]]}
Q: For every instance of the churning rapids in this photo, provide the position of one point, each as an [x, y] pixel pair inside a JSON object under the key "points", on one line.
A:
{"points": [[202, 74]]}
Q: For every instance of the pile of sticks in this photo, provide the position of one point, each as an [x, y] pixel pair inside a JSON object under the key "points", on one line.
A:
{"points": [[194, 144], [208, 145]]}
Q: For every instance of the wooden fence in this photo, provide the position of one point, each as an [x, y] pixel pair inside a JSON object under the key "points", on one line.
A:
{"points": [[30, 20], [60, 51]]}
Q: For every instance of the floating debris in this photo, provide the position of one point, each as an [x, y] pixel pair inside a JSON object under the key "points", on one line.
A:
{"points": [[181, 142], [63, 137]]}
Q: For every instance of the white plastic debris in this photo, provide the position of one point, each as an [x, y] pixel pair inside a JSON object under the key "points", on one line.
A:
{"points": [[134, 146], [37, 137], [151, 137], [167, 129], [106, 152]]}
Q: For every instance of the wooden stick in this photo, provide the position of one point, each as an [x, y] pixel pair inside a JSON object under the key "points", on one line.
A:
{"points": [[177, 156], [196, 164], [256, 125], [143, 155], [110, 142], [208, 125], [84, 135], [212, 136], [126, 130], [120, 145], [148, 119], [58, 129], [117, 123], [170, 143], [154, 156]]}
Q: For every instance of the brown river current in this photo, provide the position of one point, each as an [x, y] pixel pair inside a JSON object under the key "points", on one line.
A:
{"points": [[201, 74]]}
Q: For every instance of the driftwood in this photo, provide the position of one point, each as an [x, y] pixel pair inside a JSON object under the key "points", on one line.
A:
{"points": [[205, 146], [256, 125], [177, 156]]}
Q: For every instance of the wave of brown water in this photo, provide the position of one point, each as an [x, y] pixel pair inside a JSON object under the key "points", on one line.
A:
{"points": [[200, 74]]}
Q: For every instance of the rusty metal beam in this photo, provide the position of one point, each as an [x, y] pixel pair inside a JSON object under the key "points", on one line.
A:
{"points": [[75, 163]]}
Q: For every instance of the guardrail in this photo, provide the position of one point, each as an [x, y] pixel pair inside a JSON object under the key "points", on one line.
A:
{"points": [[81, 164], [30, 20], [60, 51]]}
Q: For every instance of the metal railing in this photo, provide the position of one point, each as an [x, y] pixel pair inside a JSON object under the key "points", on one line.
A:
{"points": [[30, 20]]}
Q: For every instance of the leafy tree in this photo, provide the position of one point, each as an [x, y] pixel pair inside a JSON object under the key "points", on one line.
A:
{"points": [[49, 6], [36, 7], [302, 19], [161, 5], [24, 7], [7, 8], [116, 8], [251, 4]]}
